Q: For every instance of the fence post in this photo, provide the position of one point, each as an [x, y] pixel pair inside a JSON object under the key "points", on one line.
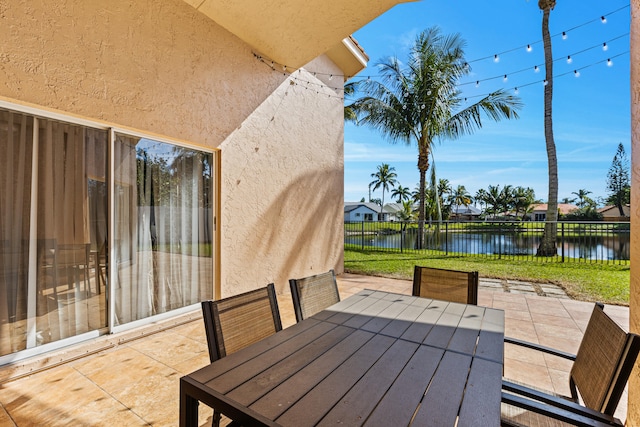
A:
{"points": [[446, 238], [362, 240], [562, 241]]}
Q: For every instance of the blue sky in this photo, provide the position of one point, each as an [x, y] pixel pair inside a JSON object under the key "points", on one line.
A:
{"points": [[591, 112]]}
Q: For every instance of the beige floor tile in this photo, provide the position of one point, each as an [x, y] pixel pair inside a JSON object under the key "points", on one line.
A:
{"points": [[561, 322], [520, 329], [517, 315], [562, 343], [5, 420], [63, 397], [546, 305], [182, 348], [116, 370], [527, 373], [560, 381], [154, 398], [523, 354]]}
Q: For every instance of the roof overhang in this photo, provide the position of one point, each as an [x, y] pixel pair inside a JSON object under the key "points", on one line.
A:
{"points": [[293, 32]]}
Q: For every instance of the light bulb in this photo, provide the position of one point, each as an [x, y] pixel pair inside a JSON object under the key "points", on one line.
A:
{"points": [[576, 73], [569, 60], [477, 83], [516, 91], [564, 35], [536, 69], [605, 47], [529, 48], [603, 19], [545, 82], [496, 58], [504, 79], [609, 62]]}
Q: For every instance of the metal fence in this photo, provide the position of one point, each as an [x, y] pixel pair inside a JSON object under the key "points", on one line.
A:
{"points": [[592, 242]]}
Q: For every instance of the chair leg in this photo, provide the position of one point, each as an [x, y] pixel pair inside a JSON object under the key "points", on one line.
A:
{"points": [[216, 419]]}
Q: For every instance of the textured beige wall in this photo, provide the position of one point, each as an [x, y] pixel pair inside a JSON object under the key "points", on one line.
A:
{"points": [[633, 415], [162, 67], [283, 185]]}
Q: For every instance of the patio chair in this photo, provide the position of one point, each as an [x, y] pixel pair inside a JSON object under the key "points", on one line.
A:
{"points": [[446, 285], [313, 294], [597, 379], [236, 322]]}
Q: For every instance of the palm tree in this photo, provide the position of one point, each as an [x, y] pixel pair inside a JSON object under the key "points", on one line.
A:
{"points": [[492, 199], [402, 193], [460, 196], [567, 201], [480, 197], [523, 200], [420, 103], [349, 113], [582, 196], [547, 245], [383, 178]]}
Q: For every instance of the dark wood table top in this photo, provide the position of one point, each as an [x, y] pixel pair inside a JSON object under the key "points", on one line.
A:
{"points": [[375, 358]]}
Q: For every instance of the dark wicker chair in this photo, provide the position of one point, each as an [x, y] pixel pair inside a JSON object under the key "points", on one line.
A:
{"points": [[446, 285], [313, 294], [234, 323], [598, 376]]}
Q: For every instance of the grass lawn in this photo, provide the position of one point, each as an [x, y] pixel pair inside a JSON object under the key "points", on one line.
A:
{"points": [[585, 282]]}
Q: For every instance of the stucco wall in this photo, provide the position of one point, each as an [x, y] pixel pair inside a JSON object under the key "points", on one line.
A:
{"points": [[633, 415], [162, 67]]}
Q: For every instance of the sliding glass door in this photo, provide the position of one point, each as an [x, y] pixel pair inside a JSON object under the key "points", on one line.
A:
{"points": [[97, 229]]}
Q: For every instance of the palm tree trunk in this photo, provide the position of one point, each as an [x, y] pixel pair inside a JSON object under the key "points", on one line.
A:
{"points": [[548, 243], [423, 166]]}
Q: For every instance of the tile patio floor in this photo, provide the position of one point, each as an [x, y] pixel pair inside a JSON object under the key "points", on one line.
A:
{"points": [[135, 381]]}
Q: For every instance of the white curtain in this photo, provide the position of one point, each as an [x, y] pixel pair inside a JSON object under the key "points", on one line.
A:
{"points": [[16, 146], [165, 259]]}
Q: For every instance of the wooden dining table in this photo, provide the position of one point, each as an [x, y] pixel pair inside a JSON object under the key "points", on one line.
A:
{"points": [[373, 359]]}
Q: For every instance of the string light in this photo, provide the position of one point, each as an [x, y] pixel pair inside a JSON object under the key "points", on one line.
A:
{"points": [[603, 19], [516, 91], [536, 69], [576, 73], [545, 82], [504, 79], [564, 34], [605, 47], [529, 48], [609, 62], [496, 58], [569, 60], [477, 83]]}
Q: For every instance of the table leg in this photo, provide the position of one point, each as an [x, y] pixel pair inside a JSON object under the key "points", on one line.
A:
{"points": [[188, 408]]}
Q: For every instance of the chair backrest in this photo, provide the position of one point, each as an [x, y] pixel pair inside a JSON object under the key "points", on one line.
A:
{"points": [[447, 285], [233, 323], [313, 294], [604, 362]]}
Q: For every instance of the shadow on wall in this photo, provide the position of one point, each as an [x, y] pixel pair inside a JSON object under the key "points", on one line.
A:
{"points": [[302, 228]]}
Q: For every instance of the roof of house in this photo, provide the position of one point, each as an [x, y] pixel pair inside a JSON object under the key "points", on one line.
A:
{"points": [[563, 208], [465, 210], [350, 206], [614, 209]]}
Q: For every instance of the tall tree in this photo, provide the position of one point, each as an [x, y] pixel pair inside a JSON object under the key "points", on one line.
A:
{"points": [[461, 197], [547, 245], [618, 182], [420, 103], [384, 178], [523, 200], [582, 196], [402, 193]]}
